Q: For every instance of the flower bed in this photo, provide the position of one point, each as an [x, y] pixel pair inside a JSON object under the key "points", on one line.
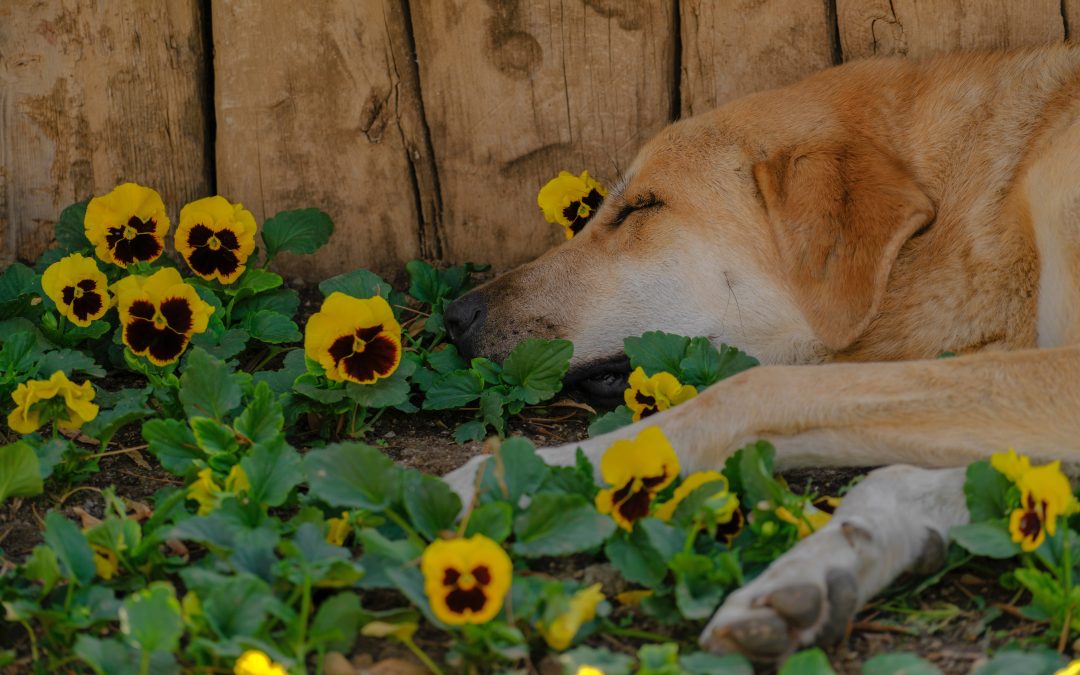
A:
{"points": [[285, 533]]}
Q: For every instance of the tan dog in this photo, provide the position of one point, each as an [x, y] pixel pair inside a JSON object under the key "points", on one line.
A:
{"points": [[884, 210]]}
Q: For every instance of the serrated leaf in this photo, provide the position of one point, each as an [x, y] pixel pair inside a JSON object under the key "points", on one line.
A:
{"points": [[473, 430], [704, 365], [172, 442], [150, 618], [514, 471], [254, 281], [282, 379], [988, 539], [130, 408], [208, 387], [299, 231], [385, 393], [70, 232], [453, 390], [213, 437], [69, 361], [537, 367], [364, 284], [559, 524], [353, 475], [430, 503], [18, 285], [494, 520], [610, 421], [807, 662], [224, 344], [446, 360], [273, 327], [262, 419], [425, 283], [71, 548], [986, 491], [281, 300], [657, 352], [273, 469]]}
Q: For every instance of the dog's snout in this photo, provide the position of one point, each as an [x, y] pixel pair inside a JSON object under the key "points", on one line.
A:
{"points": [[463, 318]]}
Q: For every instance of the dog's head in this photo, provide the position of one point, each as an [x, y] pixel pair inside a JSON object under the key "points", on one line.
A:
{"points": [[774, 235]]}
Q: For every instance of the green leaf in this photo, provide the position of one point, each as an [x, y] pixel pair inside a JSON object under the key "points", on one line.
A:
{"points": [[364, 284], [703, 663], [50, 453], [609, 663], [537, 367], [213, 437], [42, 566], [474, 430], [453, 390], [172, 442], [988, 539], [704, 365], [657, 352], [224, 344], [900, 663], [130, 408], [234, 606], [208, 387], [559, 524], [447, 359], [986, 491], [701, 582], [71, 548], [112, 657], [430, 503], [338, 622], [18, 285], [262, 419], [273, 327], [281, 300], [282, 380], [20, 475], [514, 471], [610, 421], [299, 231], [70, 229], [659, 659], [151, 620], [353, 475], [69, 361], [254, 281], [636, 558], [385, 393], [426, 285], [1040, 662], [807, 662], [492, 403], [273, 469], [494, 520], [755, 474]]}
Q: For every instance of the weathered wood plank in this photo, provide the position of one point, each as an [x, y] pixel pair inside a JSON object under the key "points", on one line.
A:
{"points": [[921, 28], [736, 47], [516, 91], [93, 94], [317, 105]]}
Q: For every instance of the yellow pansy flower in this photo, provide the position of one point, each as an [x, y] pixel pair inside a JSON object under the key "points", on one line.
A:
{"points": [[1045, 495], [559, 632], [159, 314], [1072, 669], [208, 494], [588, 670], [338, 529], [31, 400], [78, 287], [354, 340], [127, 225], [1010, 465], [692, 482], [570, 200], [649, 395], [106, 563], [466, 580], [255, 662], [636, 469], [215, 238], [813, 519]]}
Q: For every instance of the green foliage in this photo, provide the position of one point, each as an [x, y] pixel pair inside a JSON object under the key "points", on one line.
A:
{"points": [[20, 475], [299, 231]]}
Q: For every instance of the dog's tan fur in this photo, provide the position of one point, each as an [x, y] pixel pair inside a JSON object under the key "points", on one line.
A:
{"points": [[881, 211]]}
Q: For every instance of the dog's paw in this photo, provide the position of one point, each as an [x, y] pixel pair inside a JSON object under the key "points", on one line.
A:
{"points": [[808, 596]]}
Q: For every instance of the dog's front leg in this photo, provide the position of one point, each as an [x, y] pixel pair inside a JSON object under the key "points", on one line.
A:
{"points": [[896, 520]]}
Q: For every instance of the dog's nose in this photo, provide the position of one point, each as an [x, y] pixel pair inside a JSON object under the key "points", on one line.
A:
{"points": [[463, 319]]}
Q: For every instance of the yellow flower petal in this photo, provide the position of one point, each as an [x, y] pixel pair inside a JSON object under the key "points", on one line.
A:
{"points": [[338, 529], [127, 225], [204, 491], [636, 469], [570, 200], [466, 580], [215, 238], [78, 288], [78, 406], [353, 339], [686, 488], [559, 633], [159, 314], [648, 395], [255, 662], [1011, 465]]}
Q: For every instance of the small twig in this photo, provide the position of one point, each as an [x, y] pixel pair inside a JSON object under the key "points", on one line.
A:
{"points": [[121, 451], [1016, 613], [878, 627]]}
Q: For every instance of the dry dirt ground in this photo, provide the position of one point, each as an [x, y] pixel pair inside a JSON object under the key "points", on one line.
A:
{"points": [[953, 623]]}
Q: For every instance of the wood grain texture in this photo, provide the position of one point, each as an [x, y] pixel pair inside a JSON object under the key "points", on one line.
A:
{"points": [[317, 105], [920, 28], [93, 94], [736, 47], [514, 92]]}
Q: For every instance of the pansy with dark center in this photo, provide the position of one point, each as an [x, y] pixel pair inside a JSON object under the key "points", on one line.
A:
{"points": [[127, 225], [466, 580], [570, 200], [647, 396], [637, 470], [78, 288], [1045, 496], [355, 340], [216, 238], [159, 314]]}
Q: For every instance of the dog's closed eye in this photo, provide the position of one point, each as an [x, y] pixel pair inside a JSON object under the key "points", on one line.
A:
{"points": [[644, 201]]}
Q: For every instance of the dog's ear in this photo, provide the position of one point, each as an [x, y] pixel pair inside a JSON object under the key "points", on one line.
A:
{"points": [[839, 215]]}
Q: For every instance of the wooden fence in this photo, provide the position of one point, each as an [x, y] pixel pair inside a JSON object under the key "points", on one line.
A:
{"points": [[424, 127]]}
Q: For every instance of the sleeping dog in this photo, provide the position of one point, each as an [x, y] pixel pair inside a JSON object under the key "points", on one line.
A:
{"points": [[846, 231]]}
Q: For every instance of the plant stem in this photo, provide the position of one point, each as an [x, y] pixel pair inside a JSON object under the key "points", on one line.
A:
{"points": [[33, 641], [1066, 556], [398, 520], [422, 655], [305, 611], [144, 662], [635, 633]]}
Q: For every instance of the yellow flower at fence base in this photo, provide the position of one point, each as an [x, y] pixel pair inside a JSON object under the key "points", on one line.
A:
{"points": [[78, 287], [1045, 495], [559, 633], [636, 470], [159, 314], [127, 225], [1011, 465], [687, 487], [215, 238], [255, 662], [354, 340], [570, 200], [650, 395], [70, 405], [466, 580]]}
